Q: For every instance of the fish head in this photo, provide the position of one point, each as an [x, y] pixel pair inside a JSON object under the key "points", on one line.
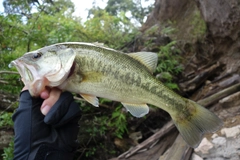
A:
{"points": [[44, 67]]}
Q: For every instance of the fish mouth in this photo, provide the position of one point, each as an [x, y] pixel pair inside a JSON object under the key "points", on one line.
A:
{"points": [[23, 70], [29, 76]]}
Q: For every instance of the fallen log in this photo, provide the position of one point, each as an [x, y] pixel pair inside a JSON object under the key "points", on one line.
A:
{"points": [[150, 142], [200, 78], [178, 151]]}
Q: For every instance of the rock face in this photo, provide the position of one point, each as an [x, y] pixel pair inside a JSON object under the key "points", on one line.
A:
{"points": [[231, 132], [226, 142], [221, 147], [207, 33]]}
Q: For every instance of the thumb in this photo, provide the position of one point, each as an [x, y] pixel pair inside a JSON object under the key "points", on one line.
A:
{"points": [[51, 100]]}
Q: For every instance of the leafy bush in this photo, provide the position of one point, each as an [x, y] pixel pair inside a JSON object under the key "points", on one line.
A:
{"points": [[6, 119], [168, 64], [8, 151]]}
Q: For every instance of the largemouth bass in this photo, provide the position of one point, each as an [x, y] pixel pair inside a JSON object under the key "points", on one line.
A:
{"points": [[96, 71]]}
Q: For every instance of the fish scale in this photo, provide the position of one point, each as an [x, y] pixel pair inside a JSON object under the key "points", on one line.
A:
{"points": [[95, 71], [122, 78]]}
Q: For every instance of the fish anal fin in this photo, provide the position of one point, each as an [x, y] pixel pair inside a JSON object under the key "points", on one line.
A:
{"points": [[149, 59], [137, 110], [91, 99]]}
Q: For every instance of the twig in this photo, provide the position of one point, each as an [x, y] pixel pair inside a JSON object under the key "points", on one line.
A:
{"points": [[85, 148], [10, 106], [8, 72], [4, 82]]}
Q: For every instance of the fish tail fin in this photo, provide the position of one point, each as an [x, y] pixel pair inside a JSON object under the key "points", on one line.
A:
{"points": [[194, 122]]}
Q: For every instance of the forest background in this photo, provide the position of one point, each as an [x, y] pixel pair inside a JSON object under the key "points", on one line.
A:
{"points": [[198, 44]]}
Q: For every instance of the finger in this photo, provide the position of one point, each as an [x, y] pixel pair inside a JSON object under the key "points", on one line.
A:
{"points": [[51, 100], [24, 88], [45, 93]]}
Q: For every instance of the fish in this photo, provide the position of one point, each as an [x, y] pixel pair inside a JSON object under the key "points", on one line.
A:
{"points": [[93, 70]]}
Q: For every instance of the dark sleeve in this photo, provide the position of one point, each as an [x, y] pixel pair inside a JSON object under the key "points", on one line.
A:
{"points": [[47, 137], [23, 119]]}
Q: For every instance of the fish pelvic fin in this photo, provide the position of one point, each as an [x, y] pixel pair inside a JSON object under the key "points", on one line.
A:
{"points": [[137, 110], [195, 122]]}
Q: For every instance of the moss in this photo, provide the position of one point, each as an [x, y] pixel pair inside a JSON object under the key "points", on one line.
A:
{"points": [[199, 26], [188, 28]]}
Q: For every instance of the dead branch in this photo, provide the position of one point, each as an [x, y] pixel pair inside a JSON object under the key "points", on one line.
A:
{"points": [[4, 82], [200, 78], [150, 141], [8, 72], [7, 101], [219, 95], [178, 151]]}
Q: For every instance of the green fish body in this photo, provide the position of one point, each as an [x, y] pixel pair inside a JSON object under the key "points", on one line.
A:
{"points": [[96, 71]]}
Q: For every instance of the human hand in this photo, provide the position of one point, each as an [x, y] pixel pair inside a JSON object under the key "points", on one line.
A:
{"points": [[54, 132], [50, 96]]}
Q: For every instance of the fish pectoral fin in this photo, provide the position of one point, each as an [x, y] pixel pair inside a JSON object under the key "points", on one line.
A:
{"points": [[91, 99], [149, 59], [137, 110]]}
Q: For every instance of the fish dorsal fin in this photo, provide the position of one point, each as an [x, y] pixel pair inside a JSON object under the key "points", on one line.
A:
{"points": [[149, 59], [137, 110], [91, 99]]}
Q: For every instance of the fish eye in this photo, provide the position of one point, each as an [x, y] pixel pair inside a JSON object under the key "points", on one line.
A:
{"points": [[36, 55]]}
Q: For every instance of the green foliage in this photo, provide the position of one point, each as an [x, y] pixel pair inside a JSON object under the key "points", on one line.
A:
{"points": [[6, 119], [119, 122], [54, 23], [100, 123], [168, 64], [98, 127], [9, 77], [26, 8], [90, 152], [135, 9], [29, 25], [168, 30], [108, 29], [8, 151], [200, 28]]}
